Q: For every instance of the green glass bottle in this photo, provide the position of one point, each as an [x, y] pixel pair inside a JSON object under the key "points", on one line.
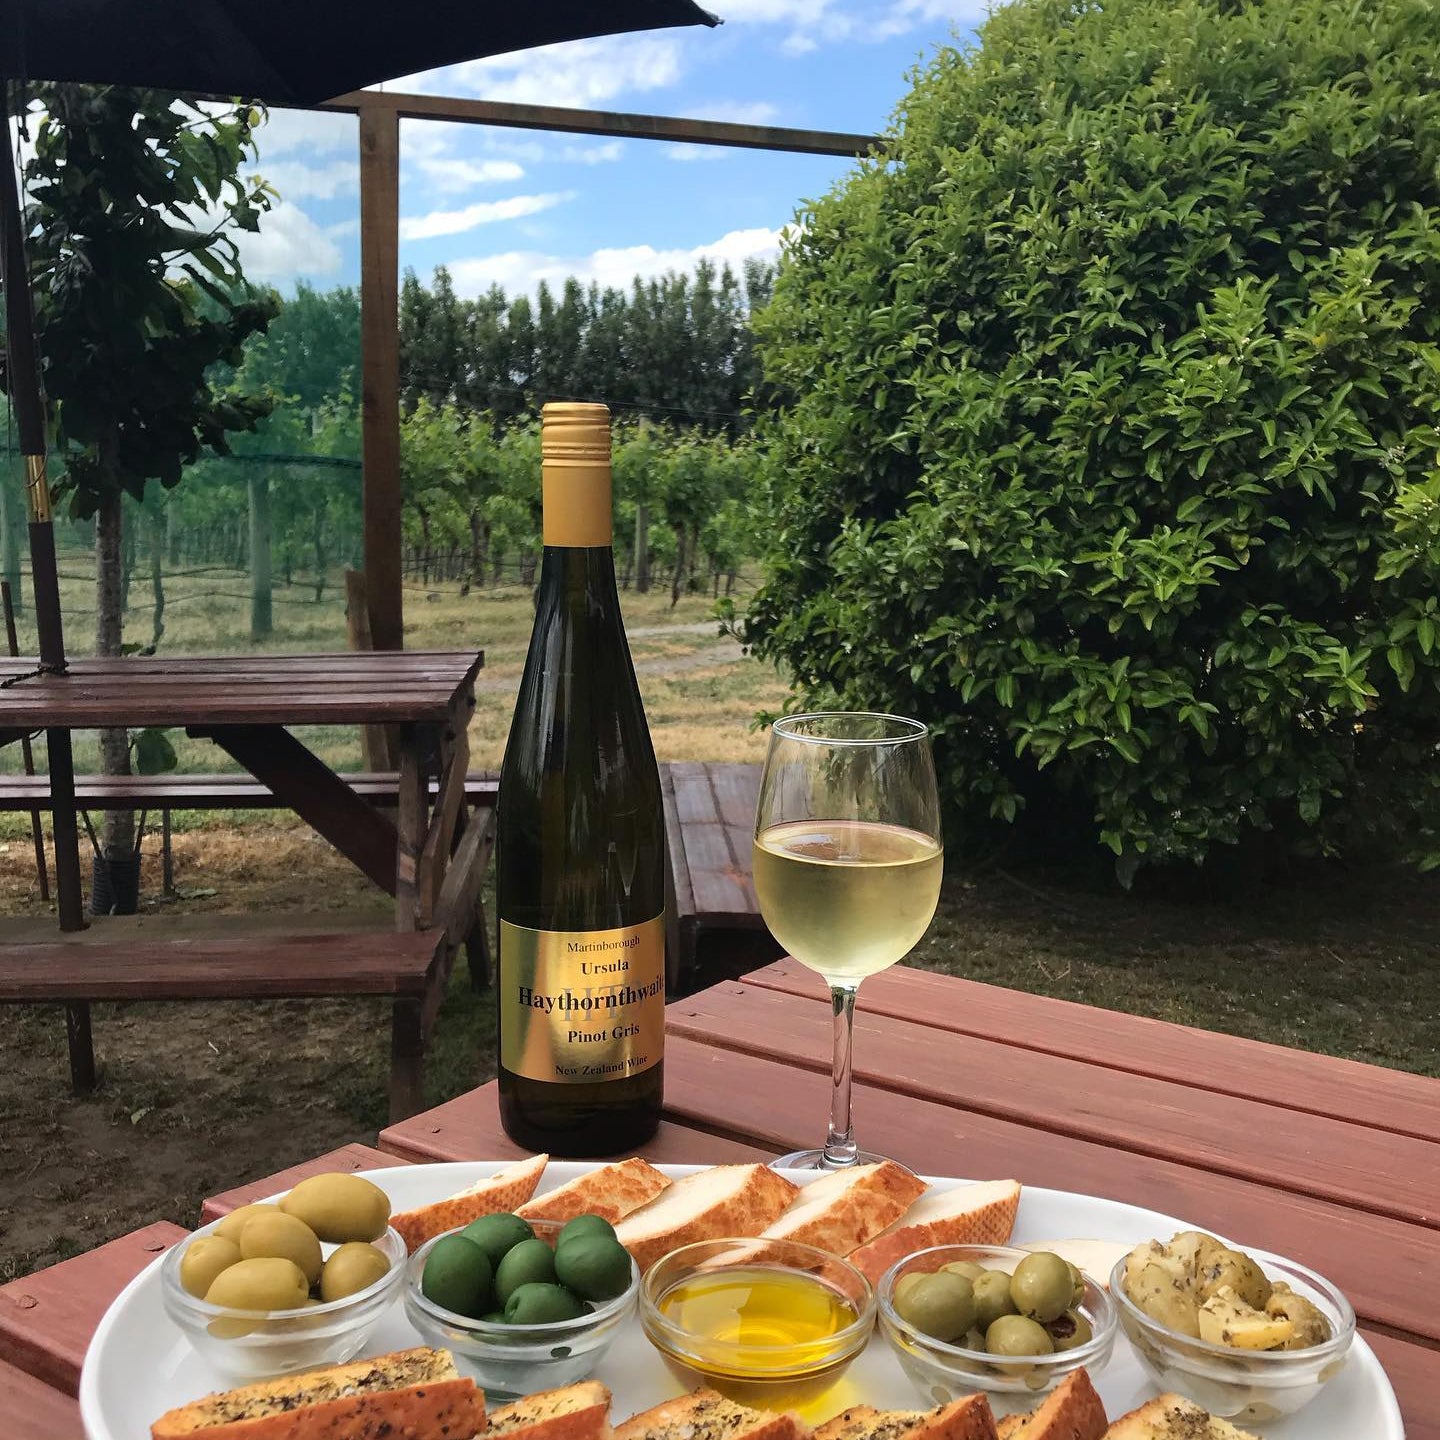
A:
{"points": [[580, 848]]}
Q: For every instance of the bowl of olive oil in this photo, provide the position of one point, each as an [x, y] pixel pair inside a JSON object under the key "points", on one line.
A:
{"points": [[768, 1323]]}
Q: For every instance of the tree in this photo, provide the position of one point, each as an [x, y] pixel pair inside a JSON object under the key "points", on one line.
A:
{"points": [[1108, 436], [135, 197]]}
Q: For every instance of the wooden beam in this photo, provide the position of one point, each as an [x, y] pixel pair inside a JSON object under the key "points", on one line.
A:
{"points": [[380, 367], [624, 124]]}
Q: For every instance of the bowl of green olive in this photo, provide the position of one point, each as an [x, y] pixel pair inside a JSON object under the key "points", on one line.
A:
{"points": [[962, 1318], [523, 1305], [288, 1284]]}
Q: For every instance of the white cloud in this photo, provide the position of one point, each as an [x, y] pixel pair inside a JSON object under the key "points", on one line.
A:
{"points": [[578, 73], [296, 180], [690, 154], [454, 173], [736, 112], [485, 212], [342, 228], [315, 132], [522, 270], [546, 152], [288, 244]]}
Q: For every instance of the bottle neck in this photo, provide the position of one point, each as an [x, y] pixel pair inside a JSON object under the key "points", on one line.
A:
{"points": [[576, 504]]}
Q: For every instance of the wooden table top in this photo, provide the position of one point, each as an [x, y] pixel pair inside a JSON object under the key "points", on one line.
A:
{"points": [[1329, 1161], [348, 688]]}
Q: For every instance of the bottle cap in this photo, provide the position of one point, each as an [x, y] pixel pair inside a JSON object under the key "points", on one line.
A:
{"points": [[575, 431]]}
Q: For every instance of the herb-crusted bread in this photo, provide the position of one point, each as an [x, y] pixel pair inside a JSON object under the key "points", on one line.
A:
{"points": [[1172, 1417], [409, 1393], [967, 1418], [574, 1412], [705, 1415], [1071, 1411]]}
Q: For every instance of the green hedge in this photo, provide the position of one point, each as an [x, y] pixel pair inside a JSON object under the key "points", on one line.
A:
{"points": [[1109, 441]]}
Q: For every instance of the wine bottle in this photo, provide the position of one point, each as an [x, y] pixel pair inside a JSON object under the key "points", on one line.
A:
{"points": [[580, 844]]}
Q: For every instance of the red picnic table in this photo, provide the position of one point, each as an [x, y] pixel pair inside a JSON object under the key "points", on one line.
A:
{"points": [[1330, 1161]]}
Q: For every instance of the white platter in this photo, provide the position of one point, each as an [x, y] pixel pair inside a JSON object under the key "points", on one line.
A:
{"points": [[139, 1365]]}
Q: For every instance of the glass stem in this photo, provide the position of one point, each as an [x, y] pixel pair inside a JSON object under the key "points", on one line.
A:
{"points": [[840, 1148]]}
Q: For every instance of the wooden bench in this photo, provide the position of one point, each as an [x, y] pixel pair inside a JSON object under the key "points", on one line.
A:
{"points": [[407, 967], [715, 930]]}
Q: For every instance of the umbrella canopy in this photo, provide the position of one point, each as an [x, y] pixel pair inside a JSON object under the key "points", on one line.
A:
{"points": [[293, 51]]}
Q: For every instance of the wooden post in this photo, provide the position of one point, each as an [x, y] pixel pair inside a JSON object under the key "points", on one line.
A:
{"points": [[37, 831], [376, 741], [380, 367]]}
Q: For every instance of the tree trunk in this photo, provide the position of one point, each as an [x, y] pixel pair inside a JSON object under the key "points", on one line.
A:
{"points": [[479, 542], [127, 557], [317, 535], [172, 539], [12, 524], [642, 549], [117, 831], [157, 575], [261, 620], [682, 544]]}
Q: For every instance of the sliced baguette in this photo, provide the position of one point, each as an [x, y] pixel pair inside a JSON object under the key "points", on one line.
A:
{"points": [[704, 1415], [967, 1418], [576, 1412], [1172, 1417], [1071, 1411], [411, 1392], [611, 1192], [709, 1205], [1095, 1257], [980, 1214], [508, 1189], [841, 1211]]}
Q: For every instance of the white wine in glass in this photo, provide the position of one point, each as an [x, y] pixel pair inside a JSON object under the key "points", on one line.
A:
{"points": [[847, 865]]}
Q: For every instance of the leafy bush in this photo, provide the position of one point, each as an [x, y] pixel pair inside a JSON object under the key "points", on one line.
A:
{"points": [[1108, 435]]}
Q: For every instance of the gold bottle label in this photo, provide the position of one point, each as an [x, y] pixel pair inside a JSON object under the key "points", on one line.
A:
{"points": [[582, 1005]]}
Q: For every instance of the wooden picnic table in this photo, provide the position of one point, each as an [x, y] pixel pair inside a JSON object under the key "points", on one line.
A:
{"points": [[1330, 1161], [246, 704]]}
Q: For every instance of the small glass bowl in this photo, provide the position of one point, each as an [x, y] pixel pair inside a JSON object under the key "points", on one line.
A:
{"points": [[944, 1372], [770, 1376], [1243, 1385], [507, 1361], [260, 1344]]}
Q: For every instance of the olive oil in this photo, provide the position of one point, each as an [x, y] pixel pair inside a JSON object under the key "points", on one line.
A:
{"points": [[761, 1335]]}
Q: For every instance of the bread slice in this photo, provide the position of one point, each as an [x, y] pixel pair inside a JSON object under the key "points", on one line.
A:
{"points": [[979, 1214], [842, 1210], [1095, 1257], [411, 1392], [705, 1415], [611, 1192], [508, 1189], [708, 1205], [576, 1412], [967, 1418], [1172, 1417], [1071, 1411]]}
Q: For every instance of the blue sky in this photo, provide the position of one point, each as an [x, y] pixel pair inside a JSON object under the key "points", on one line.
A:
{"points": [[513, 206]]}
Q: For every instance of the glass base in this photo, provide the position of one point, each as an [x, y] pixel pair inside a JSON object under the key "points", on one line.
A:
{"points": [[815, 1160]]}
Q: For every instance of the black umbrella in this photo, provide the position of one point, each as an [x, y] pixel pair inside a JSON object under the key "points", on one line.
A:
{"points": [[282, 51], [294, 51]]}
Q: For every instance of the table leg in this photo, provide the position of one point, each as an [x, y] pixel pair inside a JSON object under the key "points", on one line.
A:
{"points": [[308, 786], [70, 896], [407, 1059], [410, 831]]}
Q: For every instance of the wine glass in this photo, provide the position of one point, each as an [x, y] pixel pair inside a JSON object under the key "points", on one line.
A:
{"points": [[847, 865]]}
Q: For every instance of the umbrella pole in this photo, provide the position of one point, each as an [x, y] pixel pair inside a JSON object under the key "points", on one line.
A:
{"points": [[24, 384]]}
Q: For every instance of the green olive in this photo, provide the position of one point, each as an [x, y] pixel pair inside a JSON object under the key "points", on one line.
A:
{"points": [[531, 1262], [538, 1303], [280, 1235], [340, 1208], [1041, 1286], [905, 1284], [584, 1225], [992, 1298], [1018, 1335], [456, 1275], [353, 1267], [941, 1306], [1070, 1331], [231, 1226], [203, 1259], [498, 1233], [1077, 1285], [968, 1268], [265, 1283], [594, 1267]]}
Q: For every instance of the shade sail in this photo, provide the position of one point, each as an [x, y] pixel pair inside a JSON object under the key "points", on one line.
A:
{"points": [[294, 52]]}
